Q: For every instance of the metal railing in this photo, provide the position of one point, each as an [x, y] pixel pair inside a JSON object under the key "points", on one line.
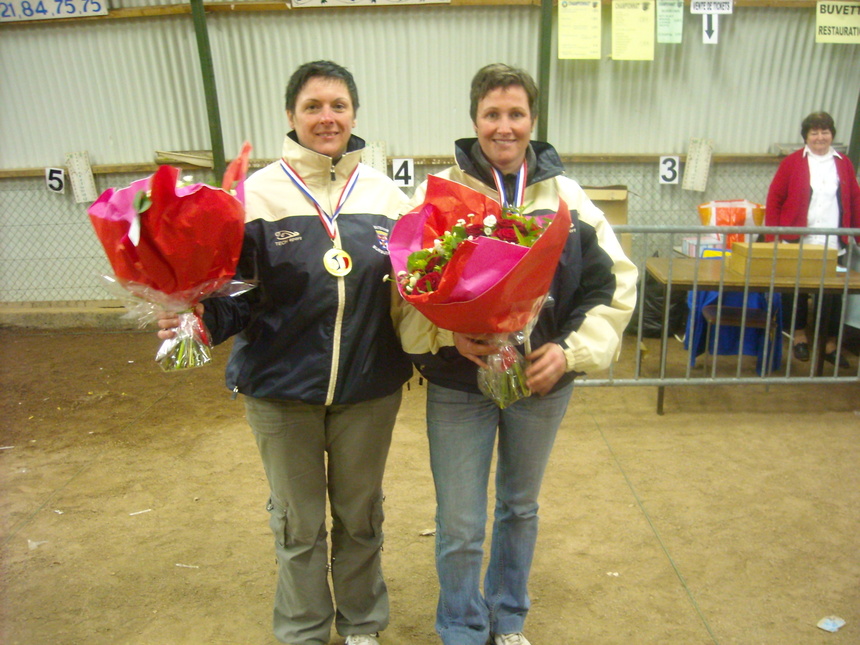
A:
{"points": [[677, 367]]}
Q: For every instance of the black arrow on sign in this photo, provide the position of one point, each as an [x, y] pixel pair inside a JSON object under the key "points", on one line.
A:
{"points": [[709, 25]]}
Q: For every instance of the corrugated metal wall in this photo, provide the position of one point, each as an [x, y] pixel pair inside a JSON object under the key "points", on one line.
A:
{"points": [[412, 67], [119, 89], [747, 92], [122, 89]]}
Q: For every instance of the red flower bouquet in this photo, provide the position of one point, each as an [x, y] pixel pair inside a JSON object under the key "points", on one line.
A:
{"points": [[473, 267], [170, 247]]}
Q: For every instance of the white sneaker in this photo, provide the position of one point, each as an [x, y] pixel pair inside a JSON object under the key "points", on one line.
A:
{"points": [[511, 639], [363, 639]]}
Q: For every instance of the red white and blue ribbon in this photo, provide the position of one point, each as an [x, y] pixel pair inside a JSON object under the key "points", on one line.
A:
{"points": [[329, 221], [516, 199]]}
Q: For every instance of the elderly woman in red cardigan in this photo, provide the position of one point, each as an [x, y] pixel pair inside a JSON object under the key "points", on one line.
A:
{"points": [[816, 187]]}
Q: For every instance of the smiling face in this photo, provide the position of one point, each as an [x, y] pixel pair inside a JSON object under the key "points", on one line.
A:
{"points": [[324, 116], [504, 123], [819, 140]]}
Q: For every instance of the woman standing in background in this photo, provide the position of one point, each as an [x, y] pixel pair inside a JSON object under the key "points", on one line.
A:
{"points": [[816, 187]]}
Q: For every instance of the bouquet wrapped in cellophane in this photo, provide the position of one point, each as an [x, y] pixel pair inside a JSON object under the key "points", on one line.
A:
{"points": [[471, 266], [170, 246]]}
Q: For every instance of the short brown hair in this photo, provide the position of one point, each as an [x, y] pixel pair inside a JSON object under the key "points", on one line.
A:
{"points": [[817, 121], [496, 75], [319, 69]]}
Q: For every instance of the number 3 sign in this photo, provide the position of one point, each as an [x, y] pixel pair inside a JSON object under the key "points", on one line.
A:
{"points": [[670, 170], [55, 180]]}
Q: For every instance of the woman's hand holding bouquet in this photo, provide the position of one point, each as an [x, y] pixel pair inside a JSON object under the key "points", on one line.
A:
{"points": [[483, 272]]}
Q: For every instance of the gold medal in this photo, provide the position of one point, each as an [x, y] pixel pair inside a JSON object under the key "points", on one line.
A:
{"points": [[337, 262]]}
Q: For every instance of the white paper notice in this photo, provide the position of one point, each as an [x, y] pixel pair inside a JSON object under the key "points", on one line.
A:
{"points": [[837, 22], [698, 165], [670, 21], [579, 35], [81, 176], [632, 30]]}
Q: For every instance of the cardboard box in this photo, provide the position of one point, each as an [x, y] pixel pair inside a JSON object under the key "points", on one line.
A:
{"points": [[786, 259], [612, 200], [700, 245]]}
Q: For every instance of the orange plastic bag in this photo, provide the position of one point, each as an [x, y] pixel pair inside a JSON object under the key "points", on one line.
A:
{"points": [[737, 212]]}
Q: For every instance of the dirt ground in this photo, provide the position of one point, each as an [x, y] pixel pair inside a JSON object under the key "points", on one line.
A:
{"points": [[132, 509]]}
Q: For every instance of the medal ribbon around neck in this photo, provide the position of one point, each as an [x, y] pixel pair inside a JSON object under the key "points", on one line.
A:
{"points": [[328, 221], [519, 186]]}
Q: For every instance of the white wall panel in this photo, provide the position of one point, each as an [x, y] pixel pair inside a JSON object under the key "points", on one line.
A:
{"points": [[412, 67], [122, 89], [119, 89], [749, 91]]}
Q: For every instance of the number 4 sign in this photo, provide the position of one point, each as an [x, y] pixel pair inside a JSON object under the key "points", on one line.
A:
{"points": [[55, 180], [403, 171]]}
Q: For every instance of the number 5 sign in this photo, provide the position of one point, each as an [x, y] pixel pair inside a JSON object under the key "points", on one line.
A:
{"points": [[55, 180], [670, 170]]}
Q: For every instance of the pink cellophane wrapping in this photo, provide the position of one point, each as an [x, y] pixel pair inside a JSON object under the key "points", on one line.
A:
{"points": [[190, 237], [183, 247], [489, 286]]}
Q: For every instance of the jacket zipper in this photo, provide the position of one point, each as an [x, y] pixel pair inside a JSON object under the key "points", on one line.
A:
{"points": [[338, 323]]}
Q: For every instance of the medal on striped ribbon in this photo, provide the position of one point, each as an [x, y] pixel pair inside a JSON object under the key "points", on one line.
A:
{"points": [[516, 200], [336, 261]]}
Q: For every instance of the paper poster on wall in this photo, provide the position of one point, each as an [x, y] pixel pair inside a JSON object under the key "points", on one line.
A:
{"points": [[670, 21], [81, 176], [698, 165], [632, 30], [579, 31], [837, 22], [374, 155]]}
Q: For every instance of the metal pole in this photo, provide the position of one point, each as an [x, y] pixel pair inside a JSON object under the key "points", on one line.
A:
{"points": [[544, 59], [208, 72], [854, 143]]}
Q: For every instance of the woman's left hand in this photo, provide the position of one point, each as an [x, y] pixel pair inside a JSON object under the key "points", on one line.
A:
{"points": [[474, 347], [547, 366]]}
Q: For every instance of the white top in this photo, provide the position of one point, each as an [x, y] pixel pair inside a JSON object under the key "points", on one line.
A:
{"points": [[824, 204]]}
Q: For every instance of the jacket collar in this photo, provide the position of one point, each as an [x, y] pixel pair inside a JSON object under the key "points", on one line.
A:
{"points": [[542, 160], [315, 168]]}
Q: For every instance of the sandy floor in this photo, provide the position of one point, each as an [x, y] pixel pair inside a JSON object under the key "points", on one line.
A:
{"points": [[133, 510]]}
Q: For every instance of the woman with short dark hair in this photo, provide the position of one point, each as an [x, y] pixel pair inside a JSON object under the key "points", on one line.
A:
{"points": [[316, 359], [815, 187]]}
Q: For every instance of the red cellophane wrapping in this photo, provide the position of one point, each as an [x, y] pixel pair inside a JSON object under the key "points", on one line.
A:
{"points": [[171, 246], [489, 286]]}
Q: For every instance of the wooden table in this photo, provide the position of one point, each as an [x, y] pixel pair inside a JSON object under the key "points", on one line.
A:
{"points": [[710, 275]]}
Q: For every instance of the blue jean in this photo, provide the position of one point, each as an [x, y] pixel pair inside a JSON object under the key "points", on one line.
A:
{"points": [[462, 430]]}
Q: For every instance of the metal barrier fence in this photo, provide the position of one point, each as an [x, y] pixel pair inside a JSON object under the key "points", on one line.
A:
{"points": [[658, 252], [50, 255]]}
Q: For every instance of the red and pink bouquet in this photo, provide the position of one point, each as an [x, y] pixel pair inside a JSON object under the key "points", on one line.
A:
{"points": [[170, 246], [471, 266]]}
